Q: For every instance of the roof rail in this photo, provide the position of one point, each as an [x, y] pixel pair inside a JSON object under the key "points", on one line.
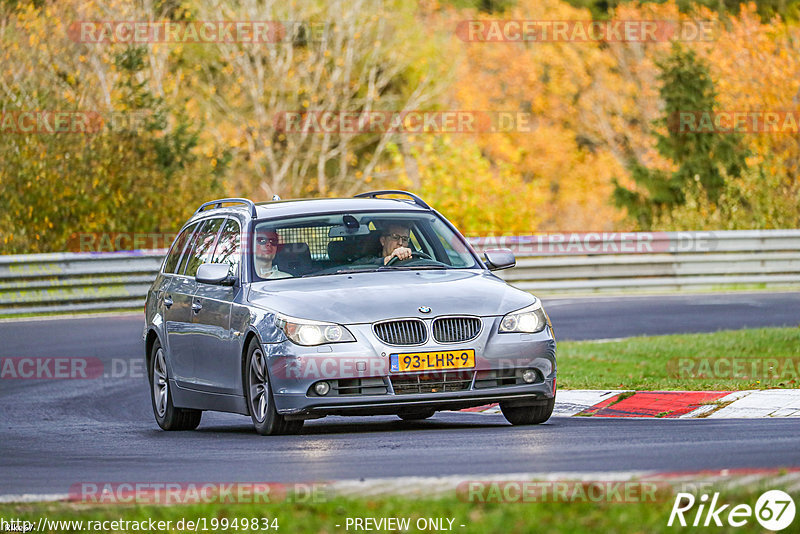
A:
{"points": [[374, 194], [218, 204]]}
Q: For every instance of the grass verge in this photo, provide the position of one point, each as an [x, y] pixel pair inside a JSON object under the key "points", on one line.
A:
{"points": [[331, 516], [723, 361]]}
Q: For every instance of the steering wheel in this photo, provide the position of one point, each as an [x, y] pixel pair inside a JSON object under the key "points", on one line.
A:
{"points": [[414, 254]]}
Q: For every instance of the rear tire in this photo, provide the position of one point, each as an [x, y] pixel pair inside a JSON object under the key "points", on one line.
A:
{"points": [[529, 415], [167, 415], [416, 416], [260, 402]]}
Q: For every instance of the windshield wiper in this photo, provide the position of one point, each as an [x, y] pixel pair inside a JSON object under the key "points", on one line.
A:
{"points": [[344, 271], [412, 267], [381, 268]]}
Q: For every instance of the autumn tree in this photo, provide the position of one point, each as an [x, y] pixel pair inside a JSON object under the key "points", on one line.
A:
{"points": [[569, 167], [138, 169], [700, 156], [339, 57]]}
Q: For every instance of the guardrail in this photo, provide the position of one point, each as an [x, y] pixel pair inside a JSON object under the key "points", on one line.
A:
{"points": [[67, 282], [547, 264], [651, 261]]}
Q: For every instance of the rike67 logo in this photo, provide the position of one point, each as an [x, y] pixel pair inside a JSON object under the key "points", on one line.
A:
{"points": [[774, 511]]}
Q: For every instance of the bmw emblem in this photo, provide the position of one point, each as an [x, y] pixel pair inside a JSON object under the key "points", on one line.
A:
{"points": [[424, 309]]}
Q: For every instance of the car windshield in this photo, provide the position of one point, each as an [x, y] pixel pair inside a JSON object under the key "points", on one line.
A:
{"points": [[341, 243]]}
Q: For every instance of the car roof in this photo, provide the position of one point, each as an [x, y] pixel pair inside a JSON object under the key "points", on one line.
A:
{"points": [[317, 206], [288, 208]]}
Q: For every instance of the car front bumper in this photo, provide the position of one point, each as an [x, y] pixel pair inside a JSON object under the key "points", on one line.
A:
{"points": [[362, 383], [393, 404]]}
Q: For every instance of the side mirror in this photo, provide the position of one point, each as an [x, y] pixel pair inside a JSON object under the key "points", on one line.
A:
{"points": [[214, 273], [499, 258]]}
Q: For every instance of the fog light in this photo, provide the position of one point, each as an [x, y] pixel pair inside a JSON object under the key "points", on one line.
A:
{"points": [[322, 388], [529, 376]]}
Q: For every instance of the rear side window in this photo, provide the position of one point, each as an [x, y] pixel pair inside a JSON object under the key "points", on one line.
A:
{"points": [[229, 246], [177, 248], [202, 247]]}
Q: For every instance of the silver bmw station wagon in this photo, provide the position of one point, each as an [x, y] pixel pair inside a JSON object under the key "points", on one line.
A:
{"points": [[294, 310]]}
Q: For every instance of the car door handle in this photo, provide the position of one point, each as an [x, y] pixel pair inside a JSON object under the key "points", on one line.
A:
{"points": [[196, 306], [167, 301]]}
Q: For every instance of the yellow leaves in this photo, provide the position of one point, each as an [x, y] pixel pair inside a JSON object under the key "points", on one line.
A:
{"points": [[564, 86], [756, 67]]}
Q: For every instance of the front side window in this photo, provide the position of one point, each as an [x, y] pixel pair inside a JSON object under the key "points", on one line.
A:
{"points": [[228, 249], [354, 242], [202, 247], [177, 249]]}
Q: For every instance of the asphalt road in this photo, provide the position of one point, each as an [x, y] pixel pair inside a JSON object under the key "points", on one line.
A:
{"points": [[599, 318], [55, 433]]}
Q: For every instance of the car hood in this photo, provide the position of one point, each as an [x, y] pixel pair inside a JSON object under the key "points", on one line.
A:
{"points": [[369, 297]]}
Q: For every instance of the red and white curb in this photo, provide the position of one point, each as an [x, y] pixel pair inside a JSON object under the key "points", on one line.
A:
{"points": [[672, 404]]}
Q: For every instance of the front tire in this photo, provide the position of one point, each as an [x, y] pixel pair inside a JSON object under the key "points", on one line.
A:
{"points": [[261, 403], [167, 415], [529, 415]]}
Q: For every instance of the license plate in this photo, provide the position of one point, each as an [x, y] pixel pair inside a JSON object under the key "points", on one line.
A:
{"points": [[432, 361]]}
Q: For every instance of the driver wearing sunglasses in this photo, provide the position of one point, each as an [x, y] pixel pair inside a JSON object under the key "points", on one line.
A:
{"points": [[266, 247]]}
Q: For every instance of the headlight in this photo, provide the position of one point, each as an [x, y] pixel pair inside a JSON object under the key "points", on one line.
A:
{"points": [[530, 319], [310, 333]]}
